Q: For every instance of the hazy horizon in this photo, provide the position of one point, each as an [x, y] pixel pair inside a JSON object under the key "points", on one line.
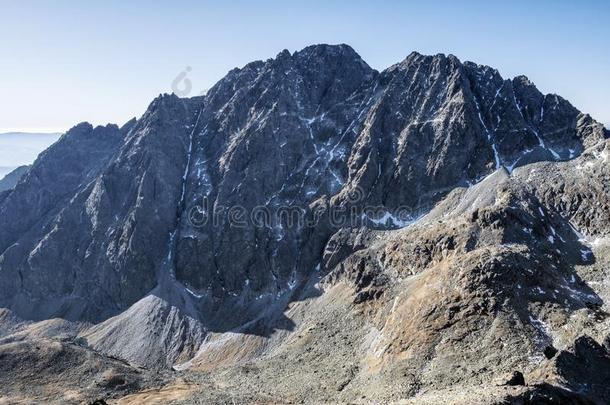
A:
{"points": [[19, 148]]}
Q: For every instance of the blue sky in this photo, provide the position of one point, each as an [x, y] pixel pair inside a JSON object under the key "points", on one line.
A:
{"points": [[63, 62]]}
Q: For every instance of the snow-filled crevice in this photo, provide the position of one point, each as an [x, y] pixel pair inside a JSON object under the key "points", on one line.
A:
{"points": [[489, 135], [389, 220], [168, 266], [541, 142]]}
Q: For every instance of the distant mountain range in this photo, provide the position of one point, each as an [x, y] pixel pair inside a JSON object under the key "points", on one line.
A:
{"points": [[313, 230], [22, 148]]}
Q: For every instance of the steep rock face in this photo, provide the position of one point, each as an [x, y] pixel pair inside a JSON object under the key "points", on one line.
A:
{"points": [[418, 133], [57, 174], [400, 138], [527, 125], [30, 215], [270, 135], [101, 204]]}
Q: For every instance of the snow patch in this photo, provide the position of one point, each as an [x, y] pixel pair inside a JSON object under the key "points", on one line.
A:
{"points": [[543, 329], [388, 219]]}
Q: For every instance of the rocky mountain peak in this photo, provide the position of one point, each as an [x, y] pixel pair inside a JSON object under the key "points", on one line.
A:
{"points": [[335, 54], [406, 135], [82, 127], [415, 195]]}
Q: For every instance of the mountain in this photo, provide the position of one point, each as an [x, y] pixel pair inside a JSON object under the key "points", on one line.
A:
{"points": [[10, 180], [315, 230], [22, 148]]}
